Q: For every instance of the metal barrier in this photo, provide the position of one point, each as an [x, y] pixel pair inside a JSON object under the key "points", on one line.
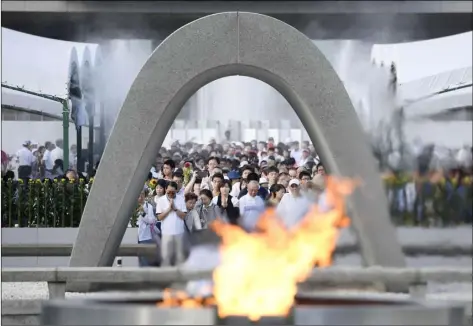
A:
{"points": [[134, 250], [57, 277]]}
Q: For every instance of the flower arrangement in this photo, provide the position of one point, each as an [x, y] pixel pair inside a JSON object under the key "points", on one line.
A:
{"points": [[152, 184], [187, 172]]}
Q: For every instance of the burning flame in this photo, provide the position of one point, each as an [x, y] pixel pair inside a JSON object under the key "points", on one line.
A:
{"points": [[259, 272]]}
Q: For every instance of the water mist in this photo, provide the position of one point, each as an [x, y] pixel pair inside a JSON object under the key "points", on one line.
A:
{"points": [[121, 62]]}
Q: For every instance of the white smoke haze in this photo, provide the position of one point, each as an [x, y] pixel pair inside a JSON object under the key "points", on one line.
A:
{"points": [[203, 257], [244, 98], [121, 62]]}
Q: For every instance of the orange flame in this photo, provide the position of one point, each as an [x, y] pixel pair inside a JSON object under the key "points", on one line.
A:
{"points": [[259, 272]]}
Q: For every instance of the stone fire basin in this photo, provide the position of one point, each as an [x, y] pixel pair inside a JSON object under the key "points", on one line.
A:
{"points": [[318, 309]]}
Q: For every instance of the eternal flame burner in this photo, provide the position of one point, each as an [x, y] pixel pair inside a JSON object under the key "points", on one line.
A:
{"points": [[318, 309]]}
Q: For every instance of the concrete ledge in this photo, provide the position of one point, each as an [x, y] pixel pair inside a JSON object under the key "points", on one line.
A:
{"points": [[21, 312], [134, 250], [169, 275], [21, 307], [27, 312], [14, 320]]}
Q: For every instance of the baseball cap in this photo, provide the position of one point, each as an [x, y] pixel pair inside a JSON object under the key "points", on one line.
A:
{"points": [[263, 180], [233, 175], [294, 182], [243, 163]]}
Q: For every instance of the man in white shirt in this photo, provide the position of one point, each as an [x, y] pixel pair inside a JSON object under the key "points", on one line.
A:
{"points": [[251, 207], [178, 178], [25, 161], [171, 211], [57, 153], [296, 153], [48, 161], [293, 205], [305, 157]]}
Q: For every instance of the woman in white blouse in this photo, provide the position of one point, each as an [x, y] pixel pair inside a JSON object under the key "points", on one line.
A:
{"points": [[147, 230]]}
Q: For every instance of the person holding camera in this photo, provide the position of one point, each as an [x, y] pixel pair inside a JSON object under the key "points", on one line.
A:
{"points": [[147, 230]]}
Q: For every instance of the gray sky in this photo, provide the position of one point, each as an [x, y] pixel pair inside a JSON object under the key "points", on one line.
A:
{"points": [[41, 64]]}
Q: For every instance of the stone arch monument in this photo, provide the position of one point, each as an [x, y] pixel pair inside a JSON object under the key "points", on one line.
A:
{"points": [[219, 45]]}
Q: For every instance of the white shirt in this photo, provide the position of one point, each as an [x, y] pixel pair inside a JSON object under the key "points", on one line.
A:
{"points": [[172, 224], [56, 154], [48, 162], [297, 155], [235, 190], [235, 201], [292, 209], [303, 161], [72, 160], [155, 173], [146, 223], [250, 210], [25, 157]]}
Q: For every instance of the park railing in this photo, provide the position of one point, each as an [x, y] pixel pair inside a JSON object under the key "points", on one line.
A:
{"points": [[60, 203]]}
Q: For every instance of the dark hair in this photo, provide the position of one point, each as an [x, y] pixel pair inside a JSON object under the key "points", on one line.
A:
{"points": [[226, 182], [217, 175], [275, 188], [304, 173], [272, 169], [206, 192], [170, 163], [246, 167], [190, 196], [252, 177], [319, 165], [213, 158], [162, 183], [178, 174], [172, 184], [9, 175]]}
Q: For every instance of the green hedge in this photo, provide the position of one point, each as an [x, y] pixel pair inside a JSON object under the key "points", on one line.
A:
{"points": [[57, 203], [60, 203]]}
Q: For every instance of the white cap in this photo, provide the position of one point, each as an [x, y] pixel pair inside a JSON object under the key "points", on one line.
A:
{"points": [[226, 178], [243, 163], [294, 182], [263, 180]]}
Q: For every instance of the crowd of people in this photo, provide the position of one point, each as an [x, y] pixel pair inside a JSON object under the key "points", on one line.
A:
{"points": [[189, 186], [36, 161]]}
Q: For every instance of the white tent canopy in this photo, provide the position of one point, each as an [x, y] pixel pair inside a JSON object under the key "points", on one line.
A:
{"points": [[428, 67]]}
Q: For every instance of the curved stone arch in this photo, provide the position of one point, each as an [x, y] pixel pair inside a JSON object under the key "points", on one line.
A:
{"points": [[209, 48]]}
